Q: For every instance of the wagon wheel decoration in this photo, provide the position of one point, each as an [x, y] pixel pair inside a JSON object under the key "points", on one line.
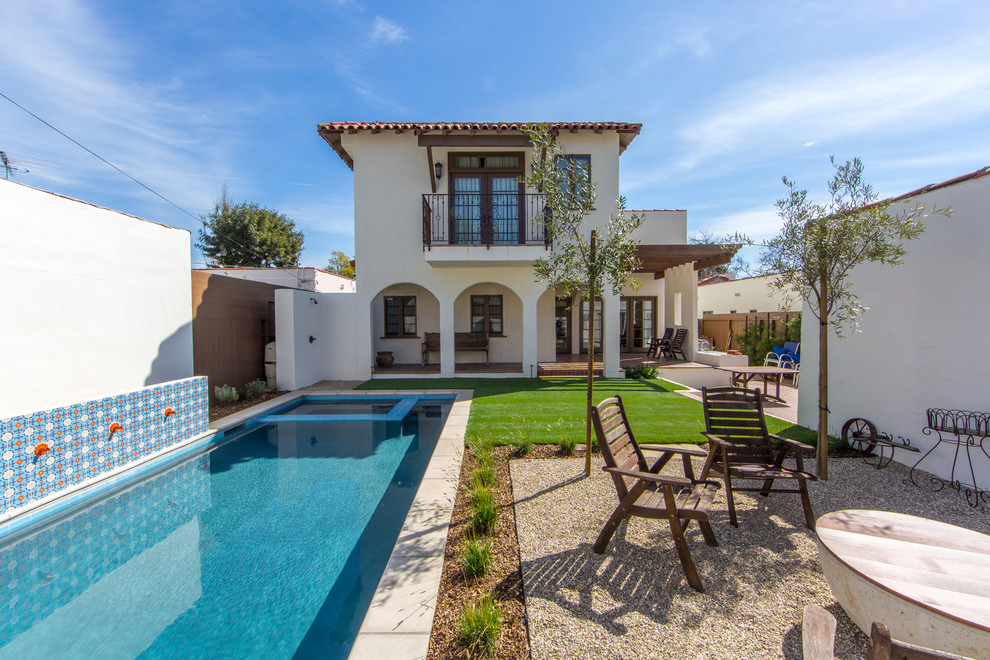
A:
{"points": [[860, 434]]}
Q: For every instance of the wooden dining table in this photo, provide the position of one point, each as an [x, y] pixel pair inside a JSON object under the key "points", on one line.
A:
{"points": [[741, 376], [927, 581]]}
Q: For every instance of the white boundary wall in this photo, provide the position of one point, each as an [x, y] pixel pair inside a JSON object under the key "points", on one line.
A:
{"points": [[921, 343], [743, 296], [94, 301], [308, 278]]}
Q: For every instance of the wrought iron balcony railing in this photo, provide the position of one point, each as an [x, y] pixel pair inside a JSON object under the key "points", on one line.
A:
{"points": [[485, 219]]}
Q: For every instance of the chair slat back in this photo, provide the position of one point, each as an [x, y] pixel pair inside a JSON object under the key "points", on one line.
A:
{"points": [[616, 440], [679, 337], [667, 334], [736, 415]]}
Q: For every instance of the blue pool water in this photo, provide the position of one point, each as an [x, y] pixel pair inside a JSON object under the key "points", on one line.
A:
{"points": [[270, 544]]}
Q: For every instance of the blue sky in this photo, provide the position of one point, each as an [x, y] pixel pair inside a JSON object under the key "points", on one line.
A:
{"points": [[187, 95]]}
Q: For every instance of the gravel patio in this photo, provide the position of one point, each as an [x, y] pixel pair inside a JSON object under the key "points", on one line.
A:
{"points": [[633, 601]]}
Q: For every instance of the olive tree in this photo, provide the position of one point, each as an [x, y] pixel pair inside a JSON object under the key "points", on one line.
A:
{"points": [[818, 247], [605, 260]]}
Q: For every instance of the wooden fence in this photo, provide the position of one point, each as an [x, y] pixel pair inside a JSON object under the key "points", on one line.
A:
{"points": [[233, 319], [720, 326]]}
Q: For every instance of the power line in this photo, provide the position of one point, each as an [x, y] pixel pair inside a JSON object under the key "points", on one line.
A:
{"points": [[90, 151], [93, 153]]}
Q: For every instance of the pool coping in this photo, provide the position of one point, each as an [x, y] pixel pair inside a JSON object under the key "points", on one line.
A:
{"points": [[399, 620]]}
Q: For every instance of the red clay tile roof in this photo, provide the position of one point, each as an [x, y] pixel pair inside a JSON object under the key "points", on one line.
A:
{"points": [[331, 132]]}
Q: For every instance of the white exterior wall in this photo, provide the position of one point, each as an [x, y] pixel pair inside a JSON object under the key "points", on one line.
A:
{"points": [[299, 362], [389, 246], [745, 295], [94, 302], [309, 279], [661, 227], [921, 339]]}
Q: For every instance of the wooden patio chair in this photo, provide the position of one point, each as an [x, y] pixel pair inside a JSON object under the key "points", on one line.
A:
{"points": [[644, 492], [676, 345], [657, 343], [739, 447]]}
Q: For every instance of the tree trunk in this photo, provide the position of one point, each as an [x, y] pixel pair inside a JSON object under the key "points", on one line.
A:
{"points": [[823, 381], [591, 357]]}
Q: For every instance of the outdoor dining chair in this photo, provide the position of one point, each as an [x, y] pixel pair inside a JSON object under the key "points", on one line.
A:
{"points": [[644, 492], [739, 448]]}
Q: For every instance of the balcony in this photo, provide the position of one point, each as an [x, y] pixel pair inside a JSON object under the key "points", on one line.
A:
{"points": [[485, 220]]}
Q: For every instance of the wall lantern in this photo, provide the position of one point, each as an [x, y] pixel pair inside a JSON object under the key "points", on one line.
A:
{"points": [[438, 170], [312, 339]]}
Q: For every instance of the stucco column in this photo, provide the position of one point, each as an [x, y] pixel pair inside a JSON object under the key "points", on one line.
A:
{"points": [[610, 336], [681, 304], [531, 334], [446, 336]]}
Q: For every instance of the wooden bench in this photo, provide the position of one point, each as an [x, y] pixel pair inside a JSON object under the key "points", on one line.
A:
{"points": [[463, 341]]}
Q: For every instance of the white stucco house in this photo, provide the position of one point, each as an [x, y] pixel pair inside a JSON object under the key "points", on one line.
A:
{"points": [[920, 343], [307, 278], [446, 235]]}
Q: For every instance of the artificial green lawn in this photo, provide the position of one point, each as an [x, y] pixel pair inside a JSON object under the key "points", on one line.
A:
{"points": [[548, 409]]}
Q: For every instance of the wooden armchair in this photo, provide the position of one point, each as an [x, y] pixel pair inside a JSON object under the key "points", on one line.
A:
{"points": [[676, 345], [657, 344], [739, 447], [644, 492]]}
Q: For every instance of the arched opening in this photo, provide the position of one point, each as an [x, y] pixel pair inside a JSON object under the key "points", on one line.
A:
{"points": [[401, 315], [497, 311]]}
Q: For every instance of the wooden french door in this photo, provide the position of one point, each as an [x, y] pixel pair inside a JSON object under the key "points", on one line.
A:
{"points": [[562, 324], [637, 323], [486, 199]]}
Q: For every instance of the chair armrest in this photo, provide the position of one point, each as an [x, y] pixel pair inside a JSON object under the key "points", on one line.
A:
{"points": [[794, 444], [649, 476], [686, 448], [718, 441]]}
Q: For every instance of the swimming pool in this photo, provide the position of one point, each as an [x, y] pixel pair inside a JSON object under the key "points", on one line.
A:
{"points": [[270, 542]]}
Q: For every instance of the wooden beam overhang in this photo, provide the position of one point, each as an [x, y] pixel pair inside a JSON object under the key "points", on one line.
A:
{"points": [[658, 258]]}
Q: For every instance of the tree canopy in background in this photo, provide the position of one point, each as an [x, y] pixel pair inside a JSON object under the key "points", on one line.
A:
{"points": [[340, 264], [738, 265], [246, 234], [820, 244]]}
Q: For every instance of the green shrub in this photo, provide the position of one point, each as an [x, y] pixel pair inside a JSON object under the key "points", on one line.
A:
{"points": [[480, 624], [476, 556], [757, 340], [523, 446], [226, 393], [481, 496], [641, 371], [483, 476], [566, 445], [484, 513], [256, 388]]}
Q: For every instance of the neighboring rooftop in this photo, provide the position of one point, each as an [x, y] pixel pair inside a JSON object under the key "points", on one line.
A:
{"points": [[510, 133]]}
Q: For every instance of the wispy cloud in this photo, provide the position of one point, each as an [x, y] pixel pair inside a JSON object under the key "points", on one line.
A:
{"points": [[384, 31], [66, 65], [758, 223], [896, 92]]}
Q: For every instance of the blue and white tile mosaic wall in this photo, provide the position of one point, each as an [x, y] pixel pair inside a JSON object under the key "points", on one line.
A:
{"points": [[48, 451], [44, 572]]}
